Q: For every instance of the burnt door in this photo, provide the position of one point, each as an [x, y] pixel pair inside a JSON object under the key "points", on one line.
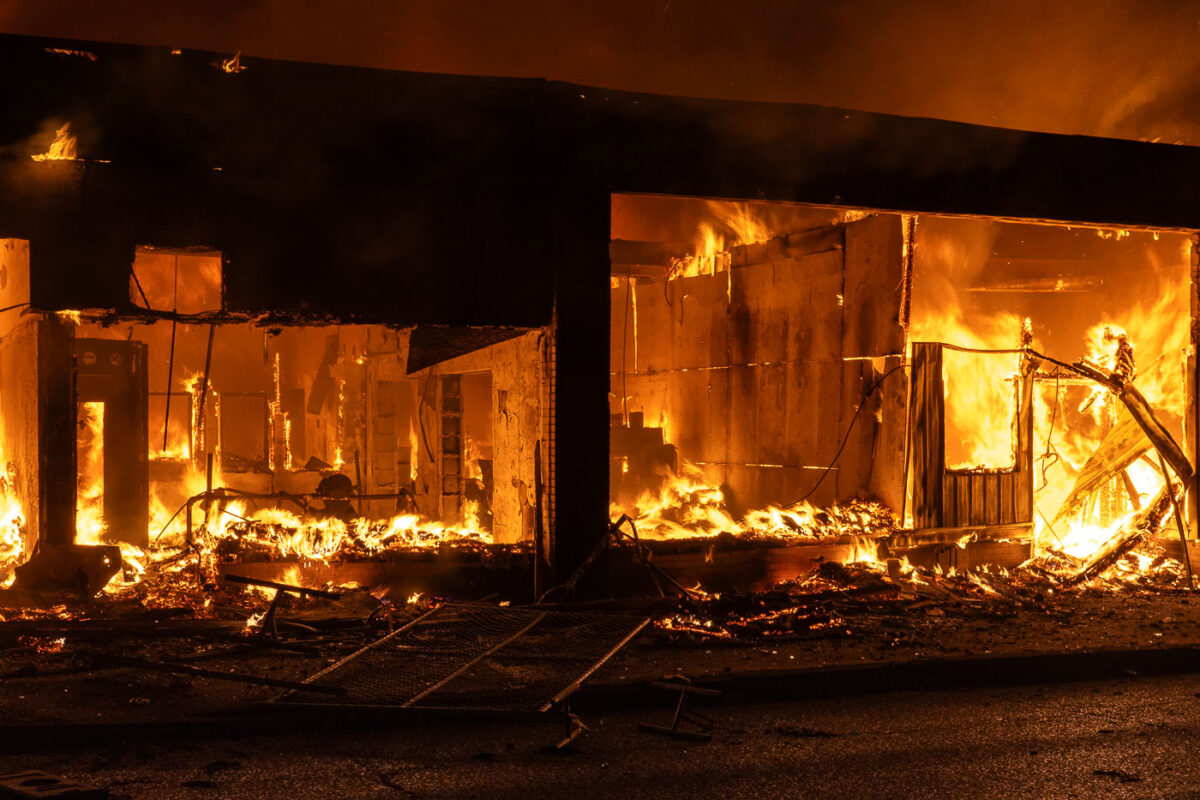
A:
{"points": [[113, 372]]}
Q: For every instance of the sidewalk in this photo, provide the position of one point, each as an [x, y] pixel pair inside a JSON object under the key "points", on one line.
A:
{"points": [[1089, 637]]}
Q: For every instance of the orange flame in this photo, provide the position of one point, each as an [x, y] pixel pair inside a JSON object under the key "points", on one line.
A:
{"points": [[89, 487], [62, 148]]}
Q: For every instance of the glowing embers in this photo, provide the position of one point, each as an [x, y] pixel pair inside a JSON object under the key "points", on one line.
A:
{"points": [[184, 283], [63, 148]]}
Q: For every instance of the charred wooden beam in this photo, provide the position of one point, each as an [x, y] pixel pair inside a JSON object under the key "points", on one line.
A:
{"points": [[1145, 523], [1123, 445], [432, 344]]}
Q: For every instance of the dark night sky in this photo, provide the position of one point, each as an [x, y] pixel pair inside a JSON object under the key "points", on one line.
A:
{"points": [[1127, 68]]}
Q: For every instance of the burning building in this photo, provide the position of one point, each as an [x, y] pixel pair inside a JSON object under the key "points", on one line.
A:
{"points": [[321, 314]]}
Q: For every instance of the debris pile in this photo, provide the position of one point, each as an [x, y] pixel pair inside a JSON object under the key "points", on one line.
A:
{"points": [[846, 600]]}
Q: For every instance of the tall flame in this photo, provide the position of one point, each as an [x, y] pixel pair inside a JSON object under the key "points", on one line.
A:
{"points": [[12, 522], [89, 488]]}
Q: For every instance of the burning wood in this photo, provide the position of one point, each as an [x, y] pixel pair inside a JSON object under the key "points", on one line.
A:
{"points": [[1123, 445], [1142, 524]]}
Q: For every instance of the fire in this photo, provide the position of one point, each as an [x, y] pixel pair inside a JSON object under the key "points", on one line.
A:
{"points": [[711, 254], [472, 470], [233, 65], [284, 534], [413, 452], [62, 148], [980, 389], [12, 523], [89, 490], [689, 506]]}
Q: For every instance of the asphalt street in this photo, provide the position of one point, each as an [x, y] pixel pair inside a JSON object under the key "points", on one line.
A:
{"points": [[1134, 737]]}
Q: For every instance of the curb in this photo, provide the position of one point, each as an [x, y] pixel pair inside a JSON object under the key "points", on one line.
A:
{"points": [[931, 674]]}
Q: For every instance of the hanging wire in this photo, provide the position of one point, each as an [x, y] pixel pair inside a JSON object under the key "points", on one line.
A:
{"points": [[1051, 456], [846, 438]]}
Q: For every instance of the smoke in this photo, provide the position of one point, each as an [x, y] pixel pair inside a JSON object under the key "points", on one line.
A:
{"points": [[1124, 68]]}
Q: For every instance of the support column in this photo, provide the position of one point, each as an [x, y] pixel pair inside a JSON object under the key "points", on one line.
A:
{"points": [[56, 429], [578, 446]]}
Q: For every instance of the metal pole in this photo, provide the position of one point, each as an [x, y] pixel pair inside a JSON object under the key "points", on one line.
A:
{"points": [[1187, 558]]}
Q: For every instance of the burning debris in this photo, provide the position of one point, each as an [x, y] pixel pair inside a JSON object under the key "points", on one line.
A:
{"points": [[687, 506]]}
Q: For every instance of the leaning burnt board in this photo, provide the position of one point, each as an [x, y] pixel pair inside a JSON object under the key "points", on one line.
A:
{"points": [[944, 498]]}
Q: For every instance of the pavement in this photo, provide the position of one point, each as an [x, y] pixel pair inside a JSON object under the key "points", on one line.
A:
{"points": [[1131, 737]]}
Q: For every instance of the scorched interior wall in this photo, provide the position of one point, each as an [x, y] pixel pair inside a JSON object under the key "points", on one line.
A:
{"points": [[754, 372]]}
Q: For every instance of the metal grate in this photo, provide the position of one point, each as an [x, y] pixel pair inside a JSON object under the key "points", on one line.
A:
{"points": [[480, 658]]}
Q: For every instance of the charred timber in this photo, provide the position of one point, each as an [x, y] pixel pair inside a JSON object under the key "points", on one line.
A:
{"points": [[1144, 523]]}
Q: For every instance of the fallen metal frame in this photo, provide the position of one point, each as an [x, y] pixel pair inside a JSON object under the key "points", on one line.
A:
{"points": [[426, 698]]}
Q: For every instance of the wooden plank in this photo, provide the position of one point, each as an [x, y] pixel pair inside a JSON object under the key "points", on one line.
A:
{"points": [[874, 274], [962, 490], [1007, 510], [950, 499], [991, 501], [978, 514], [926, 408]]}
